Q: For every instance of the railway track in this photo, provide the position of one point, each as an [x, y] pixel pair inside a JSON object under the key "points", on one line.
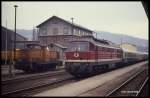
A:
{"points": [[131, 87], [18, 87], [23, 74], [143, 92], [25, 77], [23, 87]]}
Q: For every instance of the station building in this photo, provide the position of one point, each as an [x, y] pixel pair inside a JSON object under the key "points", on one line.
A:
{"points": [[59, 31]]}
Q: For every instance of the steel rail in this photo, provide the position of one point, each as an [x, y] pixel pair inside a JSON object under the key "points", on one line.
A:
{"points": [[141, 88], [31, 77], [124, 83], [37, 86]]}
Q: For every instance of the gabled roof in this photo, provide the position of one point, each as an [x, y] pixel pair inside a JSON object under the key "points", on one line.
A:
{"points": [[75, 25]]}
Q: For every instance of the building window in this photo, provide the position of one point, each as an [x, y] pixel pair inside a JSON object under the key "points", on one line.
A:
{"points": [[66, 31], [43, 31], [83, 33], [79, 33], [55, 31], [74, 31]]}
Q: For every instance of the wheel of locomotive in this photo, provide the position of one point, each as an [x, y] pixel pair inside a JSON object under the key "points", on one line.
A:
{"points": [[52, 65], [72, 69], [96, 69], [89, 70]]}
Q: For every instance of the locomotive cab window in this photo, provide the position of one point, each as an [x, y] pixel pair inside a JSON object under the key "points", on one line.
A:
{"points": [[78, 46]]}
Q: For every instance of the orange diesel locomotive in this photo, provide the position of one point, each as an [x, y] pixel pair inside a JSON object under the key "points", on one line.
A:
{"points": [[37, 58]]}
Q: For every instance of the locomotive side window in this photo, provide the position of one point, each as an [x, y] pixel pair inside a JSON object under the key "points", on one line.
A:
{"points": [[111, 50], [108, 50], [100, 48], [104, 49]]}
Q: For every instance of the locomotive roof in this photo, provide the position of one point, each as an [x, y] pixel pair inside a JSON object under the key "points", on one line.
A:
{"points": [[97, 43]]}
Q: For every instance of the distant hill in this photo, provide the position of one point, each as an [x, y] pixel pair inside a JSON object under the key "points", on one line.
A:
{"points": [[142, 44], [25, 33]]}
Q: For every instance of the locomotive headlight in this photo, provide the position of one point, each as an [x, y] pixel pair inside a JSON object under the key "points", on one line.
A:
{"points": [[76, 54], [47, 48]]}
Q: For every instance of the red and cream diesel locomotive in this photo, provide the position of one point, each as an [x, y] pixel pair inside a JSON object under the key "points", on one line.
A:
{"points": [[84, 57]]}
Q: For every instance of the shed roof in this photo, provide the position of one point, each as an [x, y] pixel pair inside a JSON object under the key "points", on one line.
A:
{"points": [[13, 32]]}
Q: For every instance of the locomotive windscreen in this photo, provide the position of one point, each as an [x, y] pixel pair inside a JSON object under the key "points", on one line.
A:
{"points": [[78, 46]]}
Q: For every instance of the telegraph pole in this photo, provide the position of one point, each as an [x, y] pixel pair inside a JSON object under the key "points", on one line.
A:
{"points": [[72, 25], [6, 45], [121, 41], [72, 29]]}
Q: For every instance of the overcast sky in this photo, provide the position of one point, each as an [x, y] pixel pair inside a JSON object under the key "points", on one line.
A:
{"points": [[117, 17]]}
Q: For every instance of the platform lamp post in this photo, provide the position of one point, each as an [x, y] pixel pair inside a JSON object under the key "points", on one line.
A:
{"points": [[14, 39], [6, 45], [96, 51]]}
